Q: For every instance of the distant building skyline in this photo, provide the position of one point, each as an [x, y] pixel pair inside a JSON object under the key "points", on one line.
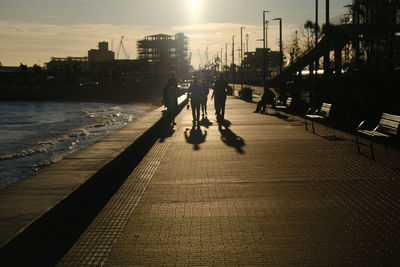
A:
{"points": [[34, 31]]}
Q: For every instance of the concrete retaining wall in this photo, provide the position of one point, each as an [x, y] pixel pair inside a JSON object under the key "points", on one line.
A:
{"points": [[43, 215]]}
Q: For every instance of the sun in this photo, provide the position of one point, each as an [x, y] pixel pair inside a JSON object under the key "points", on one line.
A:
{"points": [[194, 8], [194, 4]]}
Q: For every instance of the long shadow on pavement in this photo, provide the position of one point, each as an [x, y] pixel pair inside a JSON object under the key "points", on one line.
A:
{"points": [[195, 137], [230, 138], [167, 132]]}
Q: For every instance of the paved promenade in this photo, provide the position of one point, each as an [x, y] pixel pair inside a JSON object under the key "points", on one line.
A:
{"points": [[260, 190]]}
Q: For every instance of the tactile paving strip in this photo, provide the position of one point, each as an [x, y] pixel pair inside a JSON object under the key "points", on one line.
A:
{"points": [[94, 246]]}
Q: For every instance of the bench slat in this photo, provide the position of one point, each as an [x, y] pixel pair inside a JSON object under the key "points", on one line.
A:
{"points": [[389, 124], [325, 109], [372, 133], [391, 117]]}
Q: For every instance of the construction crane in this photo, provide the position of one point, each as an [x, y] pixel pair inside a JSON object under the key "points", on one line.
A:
{"points": [[207, 63], [121, 45], [201, 58], [190, 58]]}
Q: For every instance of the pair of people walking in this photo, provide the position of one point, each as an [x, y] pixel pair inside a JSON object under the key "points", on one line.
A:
{"points": [[198, 93]]}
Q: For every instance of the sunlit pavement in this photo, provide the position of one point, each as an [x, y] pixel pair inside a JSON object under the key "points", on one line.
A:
{"points": [[259, 190]]}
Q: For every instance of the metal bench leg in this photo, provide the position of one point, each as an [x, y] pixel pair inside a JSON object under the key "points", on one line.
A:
{"points": [[372, 149], [387, 149], [358, 145], [312, 123], [305, 123]]}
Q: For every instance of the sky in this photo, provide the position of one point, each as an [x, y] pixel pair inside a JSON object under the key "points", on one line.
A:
{"points": [[33, 31]]}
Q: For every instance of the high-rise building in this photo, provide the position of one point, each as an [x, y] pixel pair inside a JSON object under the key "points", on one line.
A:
{"points": [[165, 52]]}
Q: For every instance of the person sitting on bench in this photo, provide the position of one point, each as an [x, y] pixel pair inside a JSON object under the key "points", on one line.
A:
{"points": [[267, 98]]}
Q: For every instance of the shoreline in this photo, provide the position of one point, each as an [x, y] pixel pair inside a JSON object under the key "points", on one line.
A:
{"points": [[51, 156], [58, 202]]}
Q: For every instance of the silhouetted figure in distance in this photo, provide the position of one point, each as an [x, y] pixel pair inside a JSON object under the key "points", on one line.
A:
{"points": [[170, 98], [220, 92], [204, 96], [195, 95]]}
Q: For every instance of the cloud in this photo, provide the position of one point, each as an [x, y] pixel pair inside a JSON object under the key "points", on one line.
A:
{"points": [[31, 42], [48, 16]]}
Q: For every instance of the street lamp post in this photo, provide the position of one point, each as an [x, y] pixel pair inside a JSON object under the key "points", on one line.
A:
{"points": [[326, 56], [233, 49], [241, 57], [264, 49], [280, 45], [316, 36], [226, 55], [247, 43], [233, 62]]}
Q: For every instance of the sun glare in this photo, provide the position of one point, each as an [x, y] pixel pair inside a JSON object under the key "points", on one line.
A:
{"points": [[194, 10], [194, 4]]}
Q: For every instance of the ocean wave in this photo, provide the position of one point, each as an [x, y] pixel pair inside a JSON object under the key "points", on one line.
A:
{"points": [[100, 124], [44, 146], [79, 132], [102, 110], [52, 159]]}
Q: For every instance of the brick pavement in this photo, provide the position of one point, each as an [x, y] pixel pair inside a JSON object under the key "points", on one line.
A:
{"points": [[262, 192]]}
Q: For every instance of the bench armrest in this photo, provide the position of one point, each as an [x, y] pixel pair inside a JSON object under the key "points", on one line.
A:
{"points": [[376, 128], [362, 123], [309, 111], [359, 126]]}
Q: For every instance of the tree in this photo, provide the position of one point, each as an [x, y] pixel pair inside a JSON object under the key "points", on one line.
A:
{"points": [[293, 49], [308, 35]]}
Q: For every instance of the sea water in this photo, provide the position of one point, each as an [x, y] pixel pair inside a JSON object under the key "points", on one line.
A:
{"points": [[36, 134]]}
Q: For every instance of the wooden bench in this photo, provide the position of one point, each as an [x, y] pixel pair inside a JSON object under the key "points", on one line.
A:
{"points": [[287, 106], [320, 114], [387, 128]]}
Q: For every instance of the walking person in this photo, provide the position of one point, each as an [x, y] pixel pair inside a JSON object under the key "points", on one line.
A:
{"points": [[219, 94], [170, 99], [204, 96], [195, 96]]}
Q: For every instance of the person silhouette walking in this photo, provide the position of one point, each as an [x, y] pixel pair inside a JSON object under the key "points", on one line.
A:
{"points": [[170, 98], [204, 96], [219, 94], [195, 96]]}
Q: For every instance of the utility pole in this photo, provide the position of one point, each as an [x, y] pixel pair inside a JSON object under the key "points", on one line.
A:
{"points": [[226, 54], [233, 49], [264, 50], [233, 62], [206, 58], [327, 52], [247, 43], [316, 35], [280, 45], [220, 60], [327, 13], [241, 57]]}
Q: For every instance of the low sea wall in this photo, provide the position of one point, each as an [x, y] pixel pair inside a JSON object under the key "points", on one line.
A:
{"points": [[44, 214]]}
